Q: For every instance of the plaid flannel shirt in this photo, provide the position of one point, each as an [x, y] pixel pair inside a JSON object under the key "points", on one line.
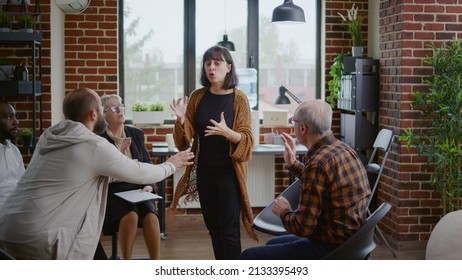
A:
{"points": [[334, 192]]}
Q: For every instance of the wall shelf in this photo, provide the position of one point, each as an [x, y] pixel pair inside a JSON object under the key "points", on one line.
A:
{"points": [[18, 37], [20, 88], [358, 102], [32, 87]]}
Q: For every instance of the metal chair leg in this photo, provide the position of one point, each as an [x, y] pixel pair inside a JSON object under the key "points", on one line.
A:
{"points": [[114, 247], [382, 237], [386, 242]]}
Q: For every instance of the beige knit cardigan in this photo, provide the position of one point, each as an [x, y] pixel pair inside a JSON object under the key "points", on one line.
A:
{"points": [[240, 153]]}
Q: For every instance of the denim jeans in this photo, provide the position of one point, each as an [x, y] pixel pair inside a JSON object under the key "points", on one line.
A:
{"points": [[289, 247]]}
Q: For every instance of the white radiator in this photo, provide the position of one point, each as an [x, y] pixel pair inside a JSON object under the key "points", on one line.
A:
{"points": [[260, 182]]}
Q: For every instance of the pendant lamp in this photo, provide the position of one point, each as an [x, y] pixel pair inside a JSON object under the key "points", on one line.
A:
{"points": [[283, 99], [225, 43], [288, 12]]}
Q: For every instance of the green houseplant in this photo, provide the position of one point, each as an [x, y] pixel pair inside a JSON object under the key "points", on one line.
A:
{"points": [[354, 22], [441, 107], [148, 112], [4, 22], [26, 23], [334, 84]]}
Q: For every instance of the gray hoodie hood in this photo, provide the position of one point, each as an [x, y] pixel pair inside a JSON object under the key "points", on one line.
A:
{"points": [[64, 134]]}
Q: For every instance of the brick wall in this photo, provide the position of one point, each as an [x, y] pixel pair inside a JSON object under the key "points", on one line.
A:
{"points": [[405, 27], [405, 30], [91, 48]]}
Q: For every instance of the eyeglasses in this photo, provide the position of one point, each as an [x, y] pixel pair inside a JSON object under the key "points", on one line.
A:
{"points": [[115, 108], [293, 120]]}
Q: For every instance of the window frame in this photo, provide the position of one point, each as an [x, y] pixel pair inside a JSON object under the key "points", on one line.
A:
{"points": [[189, 51]]}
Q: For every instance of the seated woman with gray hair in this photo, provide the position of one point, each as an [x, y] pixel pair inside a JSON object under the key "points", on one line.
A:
{"points": [[123, 216]]}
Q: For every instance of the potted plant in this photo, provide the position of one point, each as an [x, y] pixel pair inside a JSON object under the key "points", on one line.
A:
{"points": [[441, 108], [148, 113], [354, 23], [4, 22], [26, 137], [334, 84], [26, 23]]}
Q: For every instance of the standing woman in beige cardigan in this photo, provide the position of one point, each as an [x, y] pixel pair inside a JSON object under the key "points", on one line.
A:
{"points": [[216, 120]]}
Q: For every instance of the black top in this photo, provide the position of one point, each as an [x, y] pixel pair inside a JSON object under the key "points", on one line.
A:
{"points": [[138, 151], [214, 150]]}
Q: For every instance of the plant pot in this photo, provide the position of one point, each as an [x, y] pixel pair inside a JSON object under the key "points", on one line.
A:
{"points": [[27, 30], [149, 117], [26, 141], [356, 51]]}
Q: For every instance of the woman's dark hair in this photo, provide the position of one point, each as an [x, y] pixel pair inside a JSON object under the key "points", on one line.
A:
{"points": [[219, 53]]}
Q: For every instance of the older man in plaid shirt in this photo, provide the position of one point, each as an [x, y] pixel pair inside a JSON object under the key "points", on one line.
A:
{"points": [[334, 191]]}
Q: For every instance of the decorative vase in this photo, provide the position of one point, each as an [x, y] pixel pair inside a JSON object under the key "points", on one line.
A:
{"points": [[356, 51], [26, 141]]}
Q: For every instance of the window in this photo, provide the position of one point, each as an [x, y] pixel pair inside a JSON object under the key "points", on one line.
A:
{"points": [[163, 43]]}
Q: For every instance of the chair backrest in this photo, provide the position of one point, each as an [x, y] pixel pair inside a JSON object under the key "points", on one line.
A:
{"points": [[267, 222], [361, 244], [382, 142], [5, 256]]}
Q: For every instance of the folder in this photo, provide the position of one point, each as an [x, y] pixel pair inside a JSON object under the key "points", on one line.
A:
{"points": [[136, 196]]}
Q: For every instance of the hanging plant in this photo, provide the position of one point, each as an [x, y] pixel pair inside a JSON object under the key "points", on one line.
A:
{"points": [[334, 84]]}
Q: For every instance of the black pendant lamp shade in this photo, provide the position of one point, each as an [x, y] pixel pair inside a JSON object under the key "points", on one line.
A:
{"points": [[283, 99], [227, 44], [288, 12]]}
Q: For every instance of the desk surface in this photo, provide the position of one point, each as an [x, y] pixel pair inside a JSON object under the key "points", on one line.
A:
{"points": [[160, 149]]}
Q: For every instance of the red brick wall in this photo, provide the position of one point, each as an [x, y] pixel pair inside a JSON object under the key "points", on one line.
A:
{"points": [[405, 30], [91, 48]]}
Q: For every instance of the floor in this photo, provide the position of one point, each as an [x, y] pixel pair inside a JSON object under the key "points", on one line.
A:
{"points": [[187, 239]]}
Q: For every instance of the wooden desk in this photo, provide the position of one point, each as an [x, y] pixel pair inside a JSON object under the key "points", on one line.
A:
{"points": [[160, 150]]}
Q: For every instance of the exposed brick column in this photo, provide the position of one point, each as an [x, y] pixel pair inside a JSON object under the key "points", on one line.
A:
{"points": [[405, 31], [91, 48]]}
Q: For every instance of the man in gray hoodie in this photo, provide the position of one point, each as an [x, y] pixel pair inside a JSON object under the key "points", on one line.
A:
{"points": [[57, 209]]}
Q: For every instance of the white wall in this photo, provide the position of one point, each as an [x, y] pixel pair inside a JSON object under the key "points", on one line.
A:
{"points": [[373, 36]]}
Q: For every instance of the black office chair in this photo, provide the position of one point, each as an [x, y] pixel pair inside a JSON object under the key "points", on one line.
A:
{"points": [[267, 221], [361, 244], [5, 256]]}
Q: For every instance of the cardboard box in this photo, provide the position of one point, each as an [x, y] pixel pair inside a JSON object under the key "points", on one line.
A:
{"points": [[276, 118]]}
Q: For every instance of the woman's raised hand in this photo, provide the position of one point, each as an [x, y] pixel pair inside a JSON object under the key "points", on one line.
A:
{"points": [[179, 108]]}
